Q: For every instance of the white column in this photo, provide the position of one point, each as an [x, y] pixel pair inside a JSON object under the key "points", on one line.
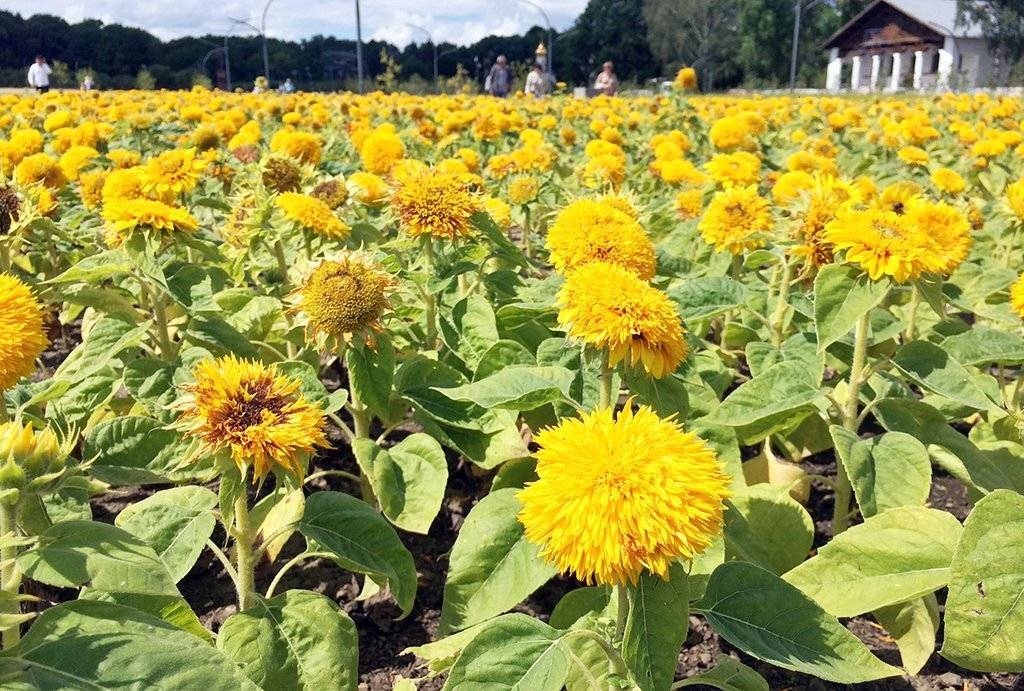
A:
{"points": [[855, 73], [947, 58], [876, 70], [918, 68], [897, 72], [834, 73]]}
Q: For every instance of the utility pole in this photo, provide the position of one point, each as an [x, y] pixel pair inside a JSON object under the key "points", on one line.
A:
{"points": [[263, 32], [359, 47], [551, 43], [798, 9]]}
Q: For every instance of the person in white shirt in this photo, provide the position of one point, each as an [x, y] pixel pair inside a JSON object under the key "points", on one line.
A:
{"points": [[39, 75], [606, 83], [538, 82]]}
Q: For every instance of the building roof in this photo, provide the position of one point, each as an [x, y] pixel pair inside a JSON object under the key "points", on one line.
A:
{"points": [[939, 15]]}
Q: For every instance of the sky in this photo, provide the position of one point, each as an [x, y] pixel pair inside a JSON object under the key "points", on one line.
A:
{"points": [[457, 21]]}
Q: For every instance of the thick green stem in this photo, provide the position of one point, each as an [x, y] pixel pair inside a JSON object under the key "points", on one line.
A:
{"points": [[605, 397], [621, 611], [163, 330], [360, 430], [841, 510], [5, 256], [10, 576], [245, 564], [429, 299], [282, 266], [778, 321], [527, 231], [915, 300]]}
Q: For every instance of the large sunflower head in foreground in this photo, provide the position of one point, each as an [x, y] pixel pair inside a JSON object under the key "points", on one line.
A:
{"points": [[434, 204], [21, 331], [345, 297], [255, 415], [590, 230], [616, 496], [607, 307], [312, 214]]}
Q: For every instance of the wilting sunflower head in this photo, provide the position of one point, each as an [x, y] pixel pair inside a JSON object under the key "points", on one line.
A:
{"points": [[30, 461], [126, 216], [617, 496], [258, 417], [590, 230], [608, 307], [312, 214], [21, 331], [345, 298], [434, 204], [735, 219], [281, 175], [1017, 296], [10, 209], [331, 192]]}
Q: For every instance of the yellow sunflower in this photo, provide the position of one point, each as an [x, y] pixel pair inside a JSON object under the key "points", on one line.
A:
{"points": [[617, 496], [431, 203], [381, 150], [22, 339], [734, 219], [1015, 198], [948, 181], [1017, 296], [589, 230], [608, 307], [257, 416], [124, 216], [302, 146], [945, 231], [309, 212], [368, 188], [522, 189], [882, 242], [40, 169], [173, 172], [689, 203], [740, 168]]}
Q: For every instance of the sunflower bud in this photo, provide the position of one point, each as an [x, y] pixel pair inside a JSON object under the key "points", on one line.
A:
{"points": [[31, 460]]}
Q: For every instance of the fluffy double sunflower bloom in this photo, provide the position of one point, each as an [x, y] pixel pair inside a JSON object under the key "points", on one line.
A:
{"points": [[590, 230], [616, 496], [312, 213], [429, 203], [254, 414], [609, 308], [22, 339]]}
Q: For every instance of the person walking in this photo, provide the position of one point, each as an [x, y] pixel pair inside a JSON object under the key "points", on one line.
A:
{"points": [[606, 83], [499, 79], [538, 82], [39, 75]]}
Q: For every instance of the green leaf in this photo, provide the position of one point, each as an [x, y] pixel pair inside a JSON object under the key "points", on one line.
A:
{"points": [[515, 474], [893, 557], [440, 655], [108, 338], [913, 626], [842, 295], [135, 450], [360, 540], [493, 567], [777, 398], [296, 640], [170, 608], [504, 353], [984, 624], [659, 616], [514, 652], [175, 522], [767, 527], [935, 370], [982, 346], [408, 479], [886, 471], [88, 644], [76, 553], [668, 395], [96, 268], [220, 338], [515, 388], [705, 297], [469, 329], [278, 514], [727, 675], [766, 617], [151, 383], [578, 603], [371, 375]]}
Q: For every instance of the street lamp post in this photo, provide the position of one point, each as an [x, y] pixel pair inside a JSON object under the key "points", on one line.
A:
{"points": [[551, 43], [359, 47], [263, 33], [798, 8], [430, 38]]}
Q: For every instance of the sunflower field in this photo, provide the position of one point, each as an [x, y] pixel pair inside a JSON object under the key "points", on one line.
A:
{"points": [[340, 391]]}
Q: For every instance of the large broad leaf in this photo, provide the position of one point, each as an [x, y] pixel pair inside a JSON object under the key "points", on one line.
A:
{"points": [[151, 383], [88, 644], [764, 616], [668, 395], [175, 522], [220, 338], [514, 652], [469, 329], [764, 525], [659, 613], [108, 338], [985, 607], [297, 640], [935, 370], [408, 479], [842, 295], [503, 354], [516, 388], [778, 398], [886, 471], [981, 346], [493, 567], [135, 450], [893, 557], [705, 297], [727, 675], [371, 375], [913, 626], [360, 540]]}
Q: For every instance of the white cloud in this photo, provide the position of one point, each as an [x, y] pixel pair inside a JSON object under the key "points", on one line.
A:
{"points": [[455, 21]]}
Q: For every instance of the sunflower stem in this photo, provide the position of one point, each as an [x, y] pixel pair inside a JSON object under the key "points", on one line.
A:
{"points": [[10, 576], [915, 301], [5, 256], [527, 249], [163, 331], [621, 611], [841, 510], [429, 299], [360, 430], [778, 321], [605, 399], [245, 564], [282, 266]]}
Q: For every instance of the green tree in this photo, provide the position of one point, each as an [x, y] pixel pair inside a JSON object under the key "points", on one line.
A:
{"points": [[696, 33], [145, 80], [766, 40], [1002, 24], [608, 30]]}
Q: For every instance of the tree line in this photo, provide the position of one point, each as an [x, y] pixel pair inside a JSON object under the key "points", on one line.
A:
{"points": [[730, 42]]}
